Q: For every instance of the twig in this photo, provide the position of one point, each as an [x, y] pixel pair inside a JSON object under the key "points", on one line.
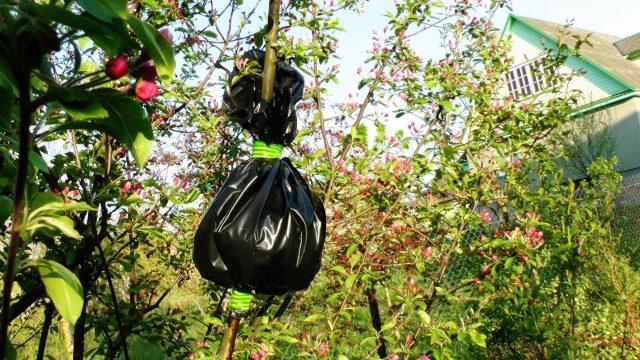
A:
{"points": [[42, 344], [114, 299]]}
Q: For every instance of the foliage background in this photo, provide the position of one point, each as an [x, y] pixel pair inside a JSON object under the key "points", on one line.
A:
{"points": [[458, 231]]}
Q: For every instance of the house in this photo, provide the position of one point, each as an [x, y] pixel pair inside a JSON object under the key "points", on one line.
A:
{"points": [[609, 79]]}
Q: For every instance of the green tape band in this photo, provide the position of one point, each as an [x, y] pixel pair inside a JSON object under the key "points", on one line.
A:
{"points": [[240, 301], [263, 151]]}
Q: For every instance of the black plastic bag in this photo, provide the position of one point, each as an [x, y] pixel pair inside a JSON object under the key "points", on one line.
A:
{"points": [[265, 229], [273, 122]]}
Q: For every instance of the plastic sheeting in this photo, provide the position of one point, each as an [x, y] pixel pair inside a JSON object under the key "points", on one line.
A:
{"points": [[265, 229]]}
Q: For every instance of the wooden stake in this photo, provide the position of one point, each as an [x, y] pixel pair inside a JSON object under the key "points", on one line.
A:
{"points": [[229, 339], [227, 344], [270, 56]]}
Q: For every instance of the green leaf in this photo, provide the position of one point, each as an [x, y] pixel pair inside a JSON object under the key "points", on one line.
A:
{"points": [[342, 357], [424, 317], [43, 198], [38, 161], [126, 122], [112, 41], [313, 318], [63, 224], [11, 353], [6, 77], [6, 206], [106, 10], [388, 326], [81, 110], [339, 269], [63, 288], [478, 338], [158, 47], [446, 105]]}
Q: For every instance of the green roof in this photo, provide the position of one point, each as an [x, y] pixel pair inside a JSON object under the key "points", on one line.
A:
{"points": [[601, 54]]}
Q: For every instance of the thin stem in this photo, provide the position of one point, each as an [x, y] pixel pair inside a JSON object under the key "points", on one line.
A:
{"points": [[114, 299], [48, 317], [283, 307], [16, 242], [262, 311]]}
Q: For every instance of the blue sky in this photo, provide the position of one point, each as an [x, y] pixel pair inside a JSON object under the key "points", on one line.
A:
{"points": [[614, 17]]}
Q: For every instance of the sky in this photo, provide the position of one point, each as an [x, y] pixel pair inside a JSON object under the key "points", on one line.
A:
{"points": [[613, 17]]}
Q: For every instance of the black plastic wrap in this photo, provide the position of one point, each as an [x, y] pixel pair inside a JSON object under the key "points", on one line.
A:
{"points": [[273, 122], [264, 230]]}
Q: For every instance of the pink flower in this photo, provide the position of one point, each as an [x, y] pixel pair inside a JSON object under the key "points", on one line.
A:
{"points": [[424, 357], [393, 357], [426, 251], [485, 269], [126, 188], [486, 217], [322, 348], [166, 34], [411, 282], [116, 67], [359, 69], [146, 90]]}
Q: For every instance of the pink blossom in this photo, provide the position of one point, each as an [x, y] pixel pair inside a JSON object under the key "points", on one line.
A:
{"points": [[486, 217], [426, 251], [166, 34], [126, 188]]}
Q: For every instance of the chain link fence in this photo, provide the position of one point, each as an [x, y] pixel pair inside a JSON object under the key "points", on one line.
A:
{"points": [[463, 265], [627, 218]]}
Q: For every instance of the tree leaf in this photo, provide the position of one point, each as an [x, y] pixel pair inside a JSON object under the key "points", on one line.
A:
{"points": [[313, 318], [80, 104], [112, 41], [11, 353], [6, 77], [63, 224], [38, 161], [158, 47], [478, 338], [424, 317], [6, 206], [106, 10], [126, 122], [63, 288]]}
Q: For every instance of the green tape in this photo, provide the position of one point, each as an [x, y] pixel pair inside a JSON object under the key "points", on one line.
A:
{"points": [[263, 151], [240, 301]]}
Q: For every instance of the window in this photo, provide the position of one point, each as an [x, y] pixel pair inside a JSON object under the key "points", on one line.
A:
{"points": [[528, 78]]}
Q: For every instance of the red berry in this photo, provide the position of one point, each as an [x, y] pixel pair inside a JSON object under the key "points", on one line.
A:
{"points": [[116, 67], [146, 71], [146, 90]]}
